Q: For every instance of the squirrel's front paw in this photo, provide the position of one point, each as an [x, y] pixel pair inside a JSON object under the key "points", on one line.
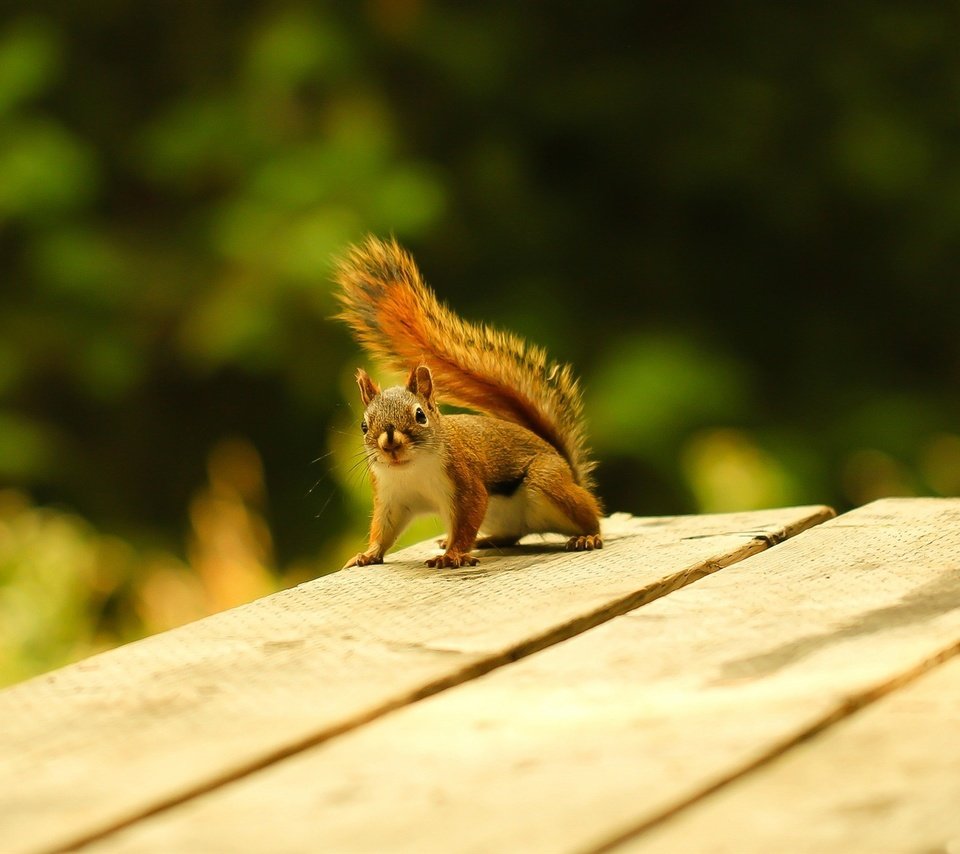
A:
{"points": [[585, 543], [363, 559], [452, 560]]}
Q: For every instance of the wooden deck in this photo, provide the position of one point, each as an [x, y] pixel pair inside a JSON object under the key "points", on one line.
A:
{"points": [[766, 681]]}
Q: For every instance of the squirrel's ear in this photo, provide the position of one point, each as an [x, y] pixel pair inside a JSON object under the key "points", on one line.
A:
{"points": [[421, 382], [368, 388]]}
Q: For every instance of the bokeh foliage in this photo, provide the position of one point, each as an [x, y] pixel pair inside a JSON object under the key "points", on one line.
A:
{"points": [[740, 221]]}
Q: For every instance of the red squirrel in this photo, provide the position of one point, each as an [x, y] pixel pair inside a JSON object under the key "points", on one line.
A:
{"points": [[519, 468]]}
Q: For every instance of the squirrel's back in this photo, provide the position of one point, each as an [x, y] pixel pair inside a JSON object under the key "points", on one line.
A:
{"points": [[398, 319]]}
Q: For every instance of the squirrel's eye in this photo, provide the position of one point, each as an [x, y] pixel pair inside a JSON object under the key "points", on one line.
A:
{"points": [[421, 418], [363, 426]]}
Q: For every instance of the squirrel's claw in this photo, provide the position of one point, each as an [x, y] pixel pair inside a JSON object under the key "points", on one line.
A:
{"points": [[585, 543], [452, 560], [363, 559]]}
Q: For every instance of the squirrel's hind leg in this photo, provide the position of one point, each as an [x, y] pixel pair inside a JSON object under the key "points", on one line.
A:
{"points": [[562, 505]]}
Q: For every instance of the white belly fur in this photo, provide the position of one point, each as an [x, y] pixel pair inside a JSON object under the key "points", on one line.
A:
{"points": [[524, 512]]}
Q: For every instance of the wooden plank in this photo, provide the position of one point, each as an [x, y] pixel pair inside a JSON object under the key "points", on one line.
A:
{"points": [[98, 744], [585, 742], [886, 779]]}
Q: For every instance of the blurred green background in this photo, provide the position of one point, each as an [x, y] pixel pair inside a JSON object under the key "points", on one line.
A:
{"points": [[741, 222]]}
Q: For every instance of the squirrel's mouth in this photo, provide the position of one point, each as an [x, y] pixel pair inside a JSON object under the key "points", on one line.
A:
{"points": [[395, 458]]}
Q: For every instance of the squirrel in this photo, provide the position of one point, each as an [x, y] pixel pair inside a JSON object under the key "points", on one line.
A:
{"points": [[520, 467]]}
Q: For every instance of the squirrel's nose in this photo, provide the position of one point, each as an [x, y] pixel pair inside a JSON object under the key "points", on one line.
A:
{"points": [[388, 441]]}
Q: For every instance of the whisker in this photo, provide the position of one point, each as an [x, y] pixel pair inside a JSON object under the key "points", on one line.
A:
{"points": [[325, 505]]}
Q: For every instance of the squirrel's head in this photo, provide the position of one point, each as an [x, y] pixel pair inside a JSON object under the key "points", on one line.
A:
{"points": [[398, 422]]}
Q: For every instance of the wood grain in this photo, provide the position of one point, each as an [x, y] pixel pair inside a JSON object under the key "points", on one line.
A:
{"points": [[600, 736], [887, 779], [97, 744]]}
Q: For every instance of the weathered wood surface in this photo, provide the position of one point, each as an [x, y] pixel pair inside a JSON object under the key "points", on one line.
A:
{"points": [[594, 739], [97, 744], [887, 779]]}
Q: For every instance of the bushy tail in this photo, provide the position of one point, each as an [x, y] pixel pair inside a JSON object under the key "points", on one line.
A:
{"points": [[398, 319]]}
